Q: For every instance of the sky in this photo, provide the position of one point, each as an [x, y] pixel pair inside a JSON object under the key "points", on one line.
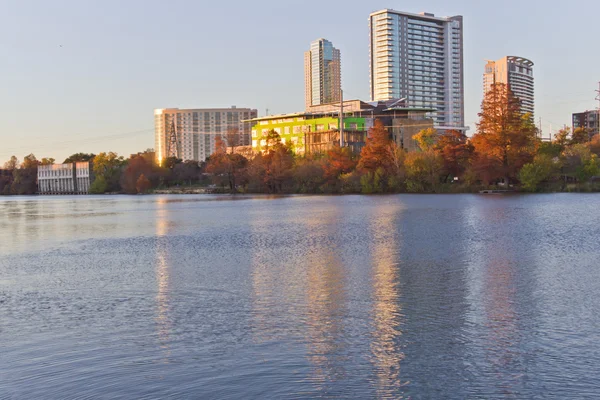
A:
{"points": [[86, 75]]}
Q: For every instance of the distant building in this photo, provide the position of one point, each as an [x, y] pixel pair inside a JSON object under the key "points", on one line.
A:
{"points": [[589, 120], [517, 74], [419, 57], [71, 178], [190, 134], [322, 73], [318, 130]]}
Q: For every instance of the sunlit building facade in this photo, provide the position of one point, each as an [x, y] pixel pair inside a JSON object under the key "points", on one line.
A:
{"points": [[318, 130], [419, 57], [71, 178], [517, 74], [322, 74], [190, 134]]}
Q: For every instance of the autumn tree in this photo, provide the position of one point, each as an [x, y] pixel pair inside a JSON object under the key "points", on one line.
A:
{"points": [[580, 136], [11, 164], [375, 154], [227, 169], [108, 167], [143, 184], [47, 161], [137, 166], [309, 174], [30, 161], [426, 138], [562, 137], [423, 170], [79, 157], [336, 162], [188, 172], [456, 152], [279, 161], [594, 145], [170, 162], [505, 138], [24, 176], [233, 139]]}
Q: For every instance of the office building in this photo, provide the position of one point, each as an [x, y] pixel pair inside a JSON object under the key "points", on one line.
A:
{"points": [[419, 57], [318, 130], [322, 74], [70, 178], [517, 74], [589, 120], [190, 134]]}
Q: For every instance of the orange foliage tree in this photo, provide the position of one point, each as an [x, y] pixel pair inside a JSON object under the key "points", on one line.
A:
{"points": [[338, 161], [456, 151], [143, 184], [227, 169], [505, 138]]}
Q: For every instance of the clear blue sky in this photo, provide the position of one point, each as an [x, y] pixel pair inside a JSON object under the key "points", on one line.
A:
{"points": [[119, 60]]}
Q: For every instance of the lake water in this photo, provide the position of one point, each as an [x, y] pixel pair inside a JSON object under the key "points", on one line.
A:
{"points": [[213, 297]]}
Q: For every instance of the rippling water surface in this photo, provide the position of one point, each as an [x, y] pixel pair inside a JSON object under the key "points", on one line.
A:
{"points": [[459, 296]]}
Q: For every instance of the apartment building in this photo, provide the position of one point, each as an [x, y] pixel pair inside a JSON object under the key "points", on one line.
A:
{"points": [[517, 74], [190, 134], [419, 57], [589, 120]]}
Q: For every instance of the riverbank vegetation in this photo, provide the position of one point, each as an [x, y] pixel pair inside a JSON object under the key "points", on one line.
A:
{"points": [[504, 153]]}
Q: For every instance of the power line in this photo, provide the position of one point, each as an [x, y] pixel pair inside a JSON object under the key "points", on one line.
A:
{"points": [[80, 140]]}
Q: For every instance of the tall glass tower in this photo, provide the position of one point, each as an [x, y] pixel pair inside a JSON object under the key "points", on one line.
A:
{"points": [[419, 57], [322, 73]]}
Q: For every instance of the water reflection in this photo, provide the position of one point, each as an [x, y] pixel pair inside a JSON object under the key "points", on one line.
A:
{"points": [[493, 295], [163, 271], [387, 311], [326, 301]]}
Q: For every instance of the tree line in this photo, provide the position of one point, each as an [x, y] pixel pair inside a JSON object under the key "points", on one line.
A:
{"points": [[505, 152]]}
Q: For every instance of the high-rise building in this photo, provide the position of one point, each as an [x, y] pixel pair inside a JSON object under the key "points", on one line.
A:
{"points": [[322, 73], [190, 134], [419, 57], [517, 74]]}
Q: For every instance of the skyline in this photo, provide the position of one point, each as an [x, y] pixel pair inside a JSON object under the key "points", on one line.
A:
{"points": [[83, 78]]}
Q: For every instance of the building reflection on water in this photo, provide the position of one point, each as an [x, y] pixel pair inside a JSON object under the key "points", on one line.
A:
{"points": [[493, 295], [326, 301], [386, 349], [163, 271]]}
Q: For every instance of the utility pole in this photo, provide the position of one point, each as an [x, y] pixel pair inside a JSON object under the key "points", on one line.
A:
{"points": [[540, 129], [341, 118]]}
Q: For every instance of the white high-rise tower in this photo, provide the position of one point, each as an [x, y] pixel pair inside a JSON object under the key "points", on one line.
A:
{"points": [[419, 57]]}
